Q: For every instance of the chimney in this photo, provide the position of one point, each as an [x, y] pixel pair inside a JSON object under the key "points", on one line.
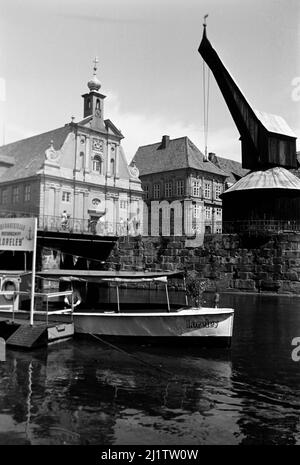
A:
{"points": [[164, 142], [212, 157]]}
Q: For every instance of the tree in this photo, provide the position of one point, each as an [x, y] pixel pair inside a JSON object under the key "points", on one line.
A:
{"points": [[196, 286]]}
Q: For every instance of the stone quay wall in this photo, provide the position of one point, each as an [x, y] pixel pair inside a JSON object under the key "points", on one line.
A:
{"points": [[229, 262]]}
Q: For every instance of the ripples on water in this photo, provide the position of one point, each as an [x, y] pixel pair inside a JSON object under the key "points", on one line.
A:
{"points": [[81, 392]]}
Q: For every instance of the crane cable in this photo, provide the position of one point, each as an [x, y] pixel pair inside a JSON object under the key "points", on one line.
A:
{"points": [[206, 80]]}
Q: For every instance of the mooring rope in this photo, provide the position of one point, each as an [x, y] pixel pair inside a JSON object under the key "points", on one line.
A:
{"points": [[205, 106], [115, 347]]}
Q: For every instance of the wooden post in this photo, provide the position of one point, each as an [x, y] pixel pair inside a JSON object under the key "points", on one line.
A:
{"points": [[33, 273], [185, 292], [167, 294], [47, 303], [118, 300]]}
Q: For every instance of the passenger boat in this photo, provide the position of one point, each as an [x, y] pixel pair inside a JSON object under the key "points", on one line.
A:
{"points": [[103, 306]]}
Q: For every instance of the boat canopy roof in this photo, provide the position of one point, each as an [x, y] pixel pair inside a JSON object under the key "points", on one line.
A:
{"points": [[117, 276]]}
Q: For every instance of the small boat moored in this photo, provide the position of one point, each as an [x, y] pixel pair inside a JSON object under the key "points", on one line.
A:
{"points": [[141, 318]]}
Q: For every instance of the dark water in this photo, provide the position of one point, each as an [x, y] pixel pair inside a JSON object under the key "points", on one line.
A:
{"points": [[81, 392]]}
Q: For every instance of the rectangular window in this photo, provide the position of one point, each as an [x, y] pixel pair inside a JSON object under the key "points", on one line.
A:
{"points": [[208, 212], [123, 204], [218, 213], [196, 188], [218, 190], [156, 191], [146, 190], [168, 189], [27, 193], [16, 195], [66, 196], [180, 187], [4, 196], [207, 190], [197, 211]]}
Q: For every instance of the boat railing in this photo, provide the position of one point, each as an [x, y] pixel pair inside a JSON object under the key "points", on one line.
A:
{"points": [[161, 279], [48, 295]]}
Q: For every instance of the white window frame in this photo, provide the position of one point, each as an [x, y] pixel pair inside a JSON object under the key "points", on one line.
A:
{"points": [[218, 190], [16, 194], [146, 190], [66, 196], [4, 196], [218, 213], [207, 189], [196, 188], [180, 187], [208, 213], [156, 191], [168, 189], [97, 164], [197, 211], [27, 193]]}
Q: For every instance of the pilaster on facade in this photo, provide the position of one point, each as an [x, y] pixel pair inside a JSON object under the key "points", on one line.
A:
{"points": [[154, 218], [87, 155], [117, 161], [188, 217], [86, 195], [58, 205]]}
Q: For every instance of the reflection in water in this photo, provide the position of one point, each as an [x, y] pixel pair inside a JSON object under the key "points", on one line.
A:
{"points": [[82, 392]]}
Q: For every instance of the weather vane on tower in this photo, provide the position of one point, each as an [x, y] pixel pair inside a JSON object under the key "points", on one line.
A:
{"points": [[96, 61], [204, 18]]}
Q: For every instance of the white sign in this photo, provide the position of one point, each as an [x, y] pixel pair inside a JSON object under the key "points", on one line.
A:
{"points": [[17, 234]]}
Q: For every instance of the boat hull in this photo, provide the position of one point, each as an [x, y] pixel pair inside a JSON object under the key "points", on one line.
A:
{"points": [[205, 326]]}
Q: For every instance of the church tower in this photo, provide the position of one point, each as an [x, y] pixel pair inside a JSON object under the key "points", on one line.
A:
{"points": [[94, 101]]}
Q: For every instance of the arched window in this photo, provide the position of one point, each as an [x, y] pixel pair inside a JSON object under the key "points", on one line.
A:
{"points": [[97, 164], [112, 166], [172, 222], [89, 103], [97, 104]]}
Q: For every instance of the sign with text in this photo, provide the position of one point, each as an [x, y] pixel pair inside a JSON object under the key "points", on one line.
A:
{"points": [[17, 234]]}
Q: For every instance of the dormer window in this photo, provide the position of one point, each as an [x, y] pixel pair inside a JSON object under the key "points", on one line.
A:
{"points": [[97, 164]]}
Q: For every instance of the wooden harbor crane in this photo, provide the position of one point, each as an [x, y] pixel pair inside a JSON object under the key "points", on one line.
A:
{"points": [[267, 141]]}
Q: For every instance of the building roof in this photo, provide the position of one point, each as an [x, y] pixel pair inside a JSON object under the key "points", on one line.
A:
{"points": [[233, 168], [272, 178], [177, 154], [28, 155], [107, 122]]}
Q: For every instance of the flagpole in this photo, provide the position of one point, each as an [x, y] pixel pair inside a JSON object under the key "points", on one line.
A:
{"points": [[33, 272]]}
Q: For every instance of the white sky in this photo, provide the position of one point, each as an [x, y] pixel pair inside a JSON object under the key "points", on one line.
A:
{"points": [[149, 66]]}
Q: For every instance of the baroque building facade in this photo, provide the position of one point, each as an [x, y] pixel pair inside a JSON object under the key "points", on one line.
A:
{"points": [[181, 189], [75, 178]]}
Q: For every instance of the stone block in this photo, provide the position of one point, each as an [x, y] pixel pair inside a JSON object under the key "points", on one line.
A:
{"points": [[269, 285], [245, 284], [289, 287], [291, 276]]}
